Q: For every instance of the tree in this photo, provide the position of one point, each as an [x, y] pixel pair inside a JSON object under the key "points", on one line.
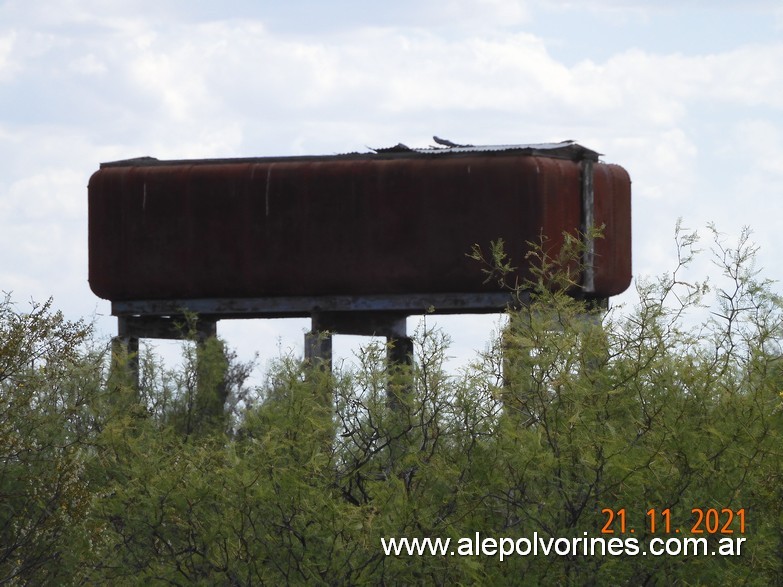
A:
{"points": [[574, 425], [46, 394]]}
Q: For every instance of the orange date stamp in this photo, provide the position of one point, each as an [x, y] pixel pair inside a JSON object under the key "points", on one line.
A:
{"points": [[720, 521]]}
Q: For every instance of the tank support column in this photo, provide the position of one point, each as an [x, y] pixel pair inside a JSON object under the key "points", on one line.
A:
{"points": [[391, 325], [125, 355], [132, 328], [318, 344]]}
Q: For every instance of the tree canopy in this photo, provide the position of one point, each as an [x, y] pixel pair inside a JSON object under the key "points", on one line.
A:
{"points": [[573, 423]]}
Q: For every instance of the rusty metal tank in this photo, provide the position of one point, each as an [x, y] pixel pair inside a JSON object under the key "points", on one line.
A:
{"points": [[393, 221]]}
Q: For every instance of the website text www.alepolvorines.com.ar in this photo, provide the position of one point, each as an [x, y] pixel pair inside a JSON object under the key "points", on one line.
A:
{"points": [[578, 546]]}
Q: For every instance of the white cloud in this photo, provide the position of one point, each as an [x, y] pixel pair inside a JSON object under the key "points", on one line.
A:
{"points": [[7, 66], [88, 64], [241, 75], [645, 6], [478, 13], [48, 194], [82, 85]]}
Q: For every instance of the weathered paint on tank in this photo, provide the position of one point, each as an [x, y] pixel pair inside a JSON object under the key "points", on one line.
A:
{"points": [[340, 225]]}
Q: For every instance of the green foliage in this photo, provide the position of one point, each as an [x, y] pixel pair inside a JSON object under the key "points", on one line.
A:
{"points": [[45, 422], [191, 478]]}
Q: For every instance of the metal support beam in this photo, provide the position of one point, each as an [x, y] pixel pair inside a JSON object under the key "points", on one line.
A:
{"points": [[130, 329], [390, 325], [169, 327], [366, 315], [386, 324], [588, 226], [306, 306]]}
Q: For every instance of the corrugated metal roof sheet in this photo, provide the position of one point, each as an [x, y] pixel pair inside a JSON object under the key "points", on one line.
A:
{"points": [[564, 149]]}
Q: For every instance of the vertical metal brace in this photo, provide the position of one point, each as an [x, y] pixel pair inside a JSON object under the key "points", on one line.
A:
{"points": [[588, 226]]}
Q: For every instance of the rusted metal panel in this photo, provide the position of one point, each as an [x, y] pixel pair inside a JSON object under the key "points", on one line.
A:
{"points": [[612, 186], [357, 225]]}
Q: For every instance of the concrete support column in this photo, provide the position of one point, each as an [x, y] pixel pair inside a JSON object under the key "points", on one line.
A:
{"points": [[400, 350], [318, 344], [125, 355]]}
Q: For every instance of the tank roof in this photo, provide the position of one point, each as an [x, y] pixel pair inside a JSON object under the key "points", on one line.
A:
{"points": [[563, 150]]}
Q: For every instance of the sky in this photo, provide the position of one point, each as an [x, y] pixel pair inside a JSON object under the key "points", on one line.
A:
{"points": [[687, 95]]}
